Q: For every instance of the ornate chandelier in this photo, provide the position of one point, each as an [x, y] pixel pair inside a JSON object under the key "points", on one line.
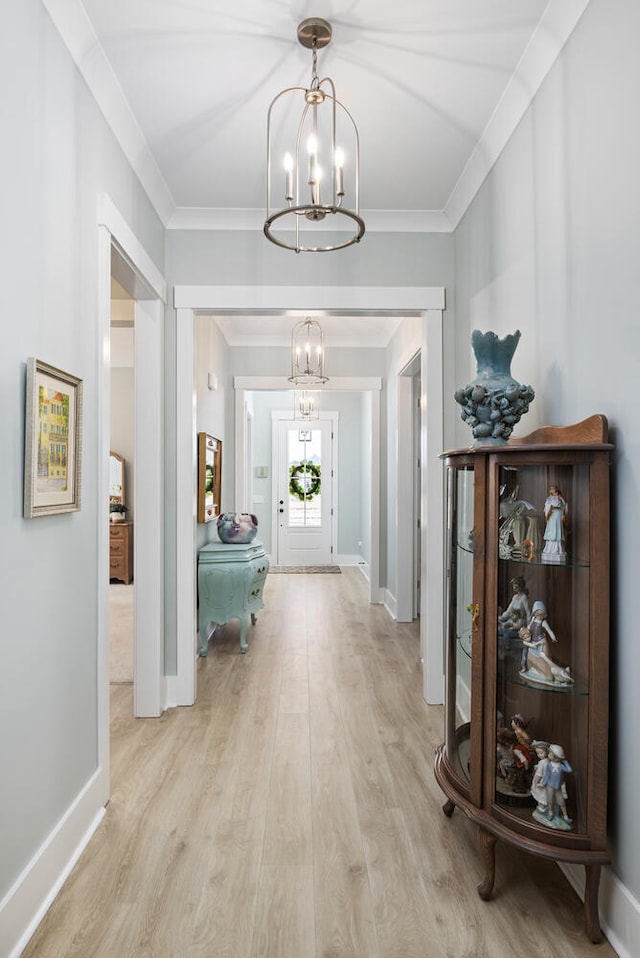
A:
{"points": [[307, 354], [306, 407], [317, 172]]}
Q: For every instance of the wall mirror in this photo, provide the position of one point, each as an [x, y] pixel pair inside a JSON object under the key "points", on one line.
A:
{"points": [[116, 479], [209, 477]]}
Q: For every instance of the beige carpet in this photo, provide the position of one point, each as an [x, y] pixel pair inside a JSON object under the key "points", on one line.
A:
{"points": [[120, 633]]}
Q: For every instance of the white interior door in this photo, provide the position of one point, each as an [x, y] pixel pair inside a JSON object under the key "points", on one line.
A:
{"points": [[304, 491]]}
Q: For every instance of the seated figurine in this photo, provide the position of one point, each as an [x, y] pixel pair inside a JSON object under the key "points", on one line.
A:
{"points": [[535, 649]]}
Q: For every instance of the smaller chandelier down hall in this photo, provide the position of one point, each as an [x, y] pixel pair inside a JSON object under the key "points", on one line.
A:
{"points": [[313, 156], [307, 368]]}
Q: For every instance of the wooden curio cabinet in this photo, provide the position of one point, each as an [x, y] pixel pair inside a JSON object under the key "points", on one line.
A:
{"points": [[527, 647]]}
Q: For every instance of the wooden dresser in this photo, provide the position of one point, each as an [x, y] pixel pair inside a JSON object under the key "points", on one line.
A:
{"points": [[230, 583], [121, 551]]}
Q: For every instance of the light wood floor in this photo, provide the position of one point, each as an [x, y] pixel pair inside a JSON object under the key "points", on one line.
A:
{"points": [[293, 812]]}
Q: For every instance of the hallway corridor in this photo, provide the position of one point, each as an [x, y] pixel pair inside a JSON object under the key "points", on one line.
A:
{"points": [[293, 811]]}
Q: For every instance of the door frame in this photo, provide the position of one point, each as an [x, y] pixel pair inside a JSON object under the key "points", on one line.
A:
{"points": [[285, 416], [371, 384], [149, 293], [425, 301]]}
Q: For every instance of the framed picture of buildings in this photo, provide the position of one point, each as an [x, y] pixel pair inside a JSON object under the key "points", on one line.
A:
{"points": [[53, 441]]}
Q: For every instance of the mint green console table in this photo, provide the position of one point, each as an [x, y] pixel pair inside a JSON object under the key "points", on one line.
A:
{"points": [[231, 580]]}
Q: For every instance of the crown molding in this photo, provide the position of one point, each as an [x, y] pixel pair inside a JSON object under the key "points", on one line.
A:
{"points": [[371, 300], [556, 25], [72, 23], [552, 32]]}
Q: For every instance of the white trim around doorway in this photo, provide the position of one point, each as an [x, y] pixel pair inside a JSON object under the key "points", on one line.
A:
{"points": [[150, 296], [428, 302]]}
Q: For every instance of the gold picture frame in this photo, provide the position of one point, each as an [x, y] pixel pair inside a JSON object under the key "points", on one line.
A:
{"points": [[209, 477], [53, 441]]}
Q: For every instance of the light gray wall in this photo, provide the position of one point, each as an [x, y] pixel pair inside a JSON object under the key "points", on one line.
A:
{"points": [[58, 156], [240, 258], [551, 246], [214, 407]]}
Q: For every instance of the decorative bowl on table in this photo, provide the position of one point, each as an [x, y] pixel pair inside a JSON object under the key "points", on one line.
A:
{"points": [[237, 528]]}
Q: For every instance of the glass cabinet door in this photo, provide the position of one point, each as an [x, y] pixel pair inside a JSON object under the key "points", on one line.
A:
{"points": [[460, 613], [542, 654]]}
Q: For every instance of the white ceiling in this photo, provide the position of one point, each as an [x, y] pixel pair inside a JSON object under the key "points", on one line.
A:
{"points": [[435, 87]]}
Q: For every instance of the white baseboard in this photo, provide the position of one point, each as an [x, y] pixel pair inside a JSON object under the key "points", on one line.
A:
{"points": [[390, 604], [348, 560], [619, 910], [364, 568], [26, 903]]}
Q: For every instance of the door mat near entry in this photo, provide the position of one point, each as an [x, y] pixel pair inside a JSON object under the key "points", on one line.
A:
{"points": [[307, 569]]}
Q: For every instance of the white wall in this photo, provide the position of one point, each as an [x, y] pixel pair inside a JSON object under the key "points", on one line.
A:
{"points": [[58, 157], [551, 246]]}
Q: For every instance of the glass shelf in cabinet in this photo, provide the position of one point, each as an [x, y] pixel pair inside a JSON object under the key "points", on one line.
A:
{"points": [[538, 563], [466, 546], [510, 670], [464, 641]]}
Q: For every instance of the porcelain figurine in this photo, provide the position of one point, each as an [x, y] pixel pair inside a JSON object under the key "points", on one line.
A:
{"points": [[536, 660], [522, 754], [555, 514], [538, 790], [552, 780], [517, 613]]}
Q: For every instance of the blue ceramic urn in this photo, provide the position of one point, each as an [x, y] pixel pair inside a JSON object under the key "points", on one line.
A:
{"points": [[494, 402]]}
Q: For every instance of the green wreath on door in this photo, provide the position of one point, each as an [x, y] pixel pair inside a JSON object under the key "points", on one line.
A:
{"points": [[309, 473]]}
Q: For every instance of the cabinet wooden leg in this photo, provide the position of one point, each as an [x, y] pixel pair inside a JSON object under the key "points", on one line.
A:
{"points": [[591, 917], [448, 808], [487, 845]]}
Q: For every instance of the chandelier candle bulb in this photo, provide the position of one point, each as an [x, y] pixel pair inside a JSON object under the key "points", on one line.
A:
{"points": [[339, 173], [288, 170]]}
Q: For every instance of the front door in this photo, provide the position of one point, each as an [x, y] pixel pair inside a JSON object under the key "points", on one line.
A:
{"points": [[304, 504]]}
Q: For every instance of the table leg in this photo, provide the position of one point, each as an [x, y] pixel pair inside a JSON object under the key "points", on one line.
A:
{"points": [[487, 844], [244, 624], [204, 638]]}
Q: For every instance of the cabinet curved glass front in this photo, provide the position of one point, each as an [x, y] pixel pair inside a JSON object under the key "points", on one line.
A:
{"points": [[460, 532], [542, 634]]}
